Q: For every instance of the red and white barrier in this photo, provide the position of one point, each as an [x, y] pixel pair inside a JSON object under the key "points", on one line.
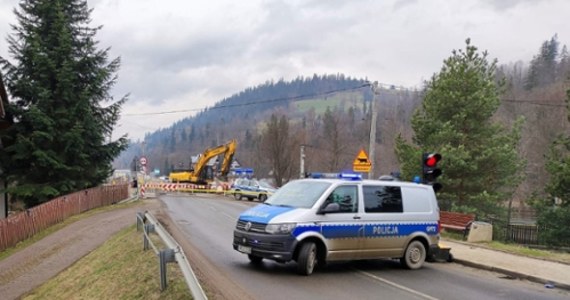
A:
{"points": [[186, 187]]}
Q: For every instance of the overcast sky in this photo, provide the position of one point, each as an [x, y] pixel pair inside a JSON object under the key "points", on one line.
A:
{"points": [[188, 54]]}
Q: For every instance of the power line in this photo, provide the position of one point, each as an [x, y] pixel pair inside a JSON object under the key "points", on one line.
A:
{"points": [[541, 102], [296, 98], [538, 102]]}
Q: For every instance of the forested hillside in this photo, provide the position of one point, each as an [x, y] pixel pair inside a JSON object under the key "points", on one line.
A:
{"points": [[537, 91], [330, 114], [340, 104]]}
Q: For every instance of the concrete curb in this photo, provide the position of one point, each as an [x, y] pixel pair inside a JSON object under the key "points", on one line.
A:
{"points": [[512, 273], [130, 199]]}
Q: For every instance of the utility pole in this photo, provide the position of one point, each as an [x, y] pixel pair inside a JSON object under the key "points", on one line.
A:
{"points": [[302, 168], [371, 148]]}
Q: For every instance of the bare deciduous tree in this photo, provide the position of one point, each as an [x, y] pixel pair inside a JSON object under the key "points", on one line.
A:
{"points": [[277, 148]]}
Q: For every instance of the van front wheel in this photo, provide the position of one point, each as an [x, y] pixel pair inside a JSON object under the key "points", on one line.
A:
{"points": [[307, 259], [414, 256], [256, 260]]}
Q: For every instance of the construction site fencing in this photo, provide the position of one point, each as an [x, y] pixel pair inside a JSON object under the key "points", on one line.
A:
{"points": [[151, 189], [23, 225]]}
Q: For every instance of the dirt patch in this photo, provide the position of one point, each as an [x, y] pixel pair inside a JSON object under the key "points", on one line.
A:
{"points": [[32, 266]]}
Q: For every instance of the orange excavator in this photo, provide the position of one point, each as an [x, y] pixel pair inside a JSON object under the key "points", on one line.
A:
{"points": [[202, 172]]}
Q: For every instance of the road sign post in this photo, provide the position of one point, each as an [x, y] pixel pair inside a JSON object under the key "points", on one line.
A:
{"points": [[361, 162], [143, 161]]}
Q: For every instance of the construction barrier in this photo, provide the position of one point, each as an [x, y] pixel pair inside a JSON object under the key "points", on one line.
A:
{"points": [[161, 187]]}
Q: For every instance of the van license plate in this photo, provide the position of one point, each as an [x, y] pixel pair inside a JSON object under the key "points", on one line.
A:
{"points": [[244, 249]]}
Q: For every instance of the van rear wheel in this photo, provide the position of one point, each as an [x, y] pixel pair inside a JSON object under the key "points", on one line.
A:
{"points": [[414, 256], [307, 259]]}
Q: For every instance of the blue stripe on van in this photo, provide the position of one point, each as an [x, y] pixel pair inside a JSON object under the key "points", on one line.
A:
{"points": [[336, 231]]}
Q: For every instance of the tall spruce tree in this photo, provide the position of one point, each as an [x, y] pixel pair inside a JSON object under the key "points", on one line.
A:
{"points": [[59, 83], [480, 162], [543, 67]]}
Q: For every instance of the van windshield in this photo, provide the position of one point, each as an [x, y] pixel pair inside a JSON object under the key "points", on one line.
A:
{"points": [[298, 194]]}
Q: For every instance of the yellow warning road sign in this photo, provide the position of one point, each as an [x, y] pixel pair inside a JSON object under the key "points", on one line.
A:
{"points": [[361, 162]]}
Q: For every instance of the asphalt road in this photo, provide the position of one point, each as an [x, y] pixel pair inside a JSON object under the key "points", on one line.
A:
{"points": [[207, 221]]}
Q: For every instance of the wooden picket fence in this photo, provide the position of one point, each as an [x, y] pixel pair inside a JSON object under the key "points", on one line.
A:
{"points": [[24, 225]]}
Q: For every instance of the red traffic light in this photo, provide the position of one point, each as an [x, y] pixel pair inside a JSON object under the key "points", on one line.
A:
{"points": [[432, 159], [430, 170]]}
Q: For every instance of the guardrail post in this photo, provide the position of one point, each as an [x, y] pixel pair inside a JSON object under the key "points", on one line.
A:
{"points": [[148, 228], [165, 256], [172, 253], [140, 220]]}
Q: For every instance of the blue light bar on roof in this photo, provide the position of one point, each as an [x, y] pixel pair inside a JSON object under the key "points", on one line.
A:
{"points": [[244, 171], [323, 175], [348, 176], [351, 176]]}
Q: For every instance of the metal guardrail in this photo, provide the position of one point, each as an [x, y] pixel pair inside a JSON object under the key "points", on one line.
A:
{"points": [[173, 253]]}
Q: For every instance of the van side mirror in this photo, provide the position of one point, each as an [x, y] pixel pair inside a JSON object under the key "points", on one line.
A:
{"points": [[330, 208]]}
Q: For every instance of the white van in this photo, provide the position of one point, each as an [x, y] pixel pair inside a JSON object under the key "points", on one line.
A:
{"points": [[312, 221]]}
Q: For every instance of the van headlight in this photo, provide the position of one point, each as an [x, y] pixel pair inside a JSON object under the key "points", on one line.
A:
{"points": [[284, 228]]}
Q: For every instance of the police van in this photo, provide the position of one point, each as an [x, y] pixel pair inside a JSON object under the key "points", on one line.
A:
{"points": [[314, 221]]}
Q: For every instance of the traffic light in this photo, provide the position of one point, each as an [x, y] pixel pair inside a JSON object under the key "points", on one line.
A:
{"points": [[430, 170]]}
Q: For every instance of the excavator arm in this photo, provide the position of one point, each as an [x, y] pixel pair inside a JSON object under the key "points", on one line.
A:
{"points": [[228, 157], [228, 149], [198, 175]]}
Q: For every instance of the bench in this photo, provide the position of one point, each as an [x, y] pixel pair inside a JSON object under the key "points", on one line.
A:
{"points": [[456, 221]]}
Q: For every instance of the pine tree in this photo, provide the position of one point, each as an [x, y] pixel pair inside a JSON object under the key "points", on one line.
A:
{"points": [[61, 140], [172, 140], [563, 71], [543, 67], [480, 163], [166, 167]]}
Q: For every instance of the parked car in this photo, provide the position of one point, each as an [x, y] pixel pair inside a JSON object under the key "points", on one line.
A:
{"points": [[251, 189]]}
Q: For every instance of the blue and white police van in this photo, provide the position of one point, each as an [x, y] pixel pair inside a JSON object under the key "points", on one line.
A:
{"points": [[314, 221]]}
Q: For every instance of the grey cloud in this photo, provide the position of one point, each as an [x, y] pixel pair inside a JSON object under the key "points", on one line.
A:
{"points": [[503, 5], [285, 31], [401, 4], [194, 52]]}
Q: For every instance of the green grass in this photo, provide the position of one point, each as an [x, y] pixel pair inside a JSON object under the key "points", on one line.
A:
{"points": [[119, 269], [320, 105], [526, 251]]}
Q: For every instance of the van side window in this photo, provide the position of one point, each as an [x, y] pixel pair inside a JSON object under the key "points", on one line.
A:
{"points": [[346, 196], [382, 199]]}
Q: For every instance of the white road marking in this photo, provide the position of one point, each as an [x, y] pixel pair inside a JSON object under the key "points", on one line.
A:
{"points": [[386, 281]]}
